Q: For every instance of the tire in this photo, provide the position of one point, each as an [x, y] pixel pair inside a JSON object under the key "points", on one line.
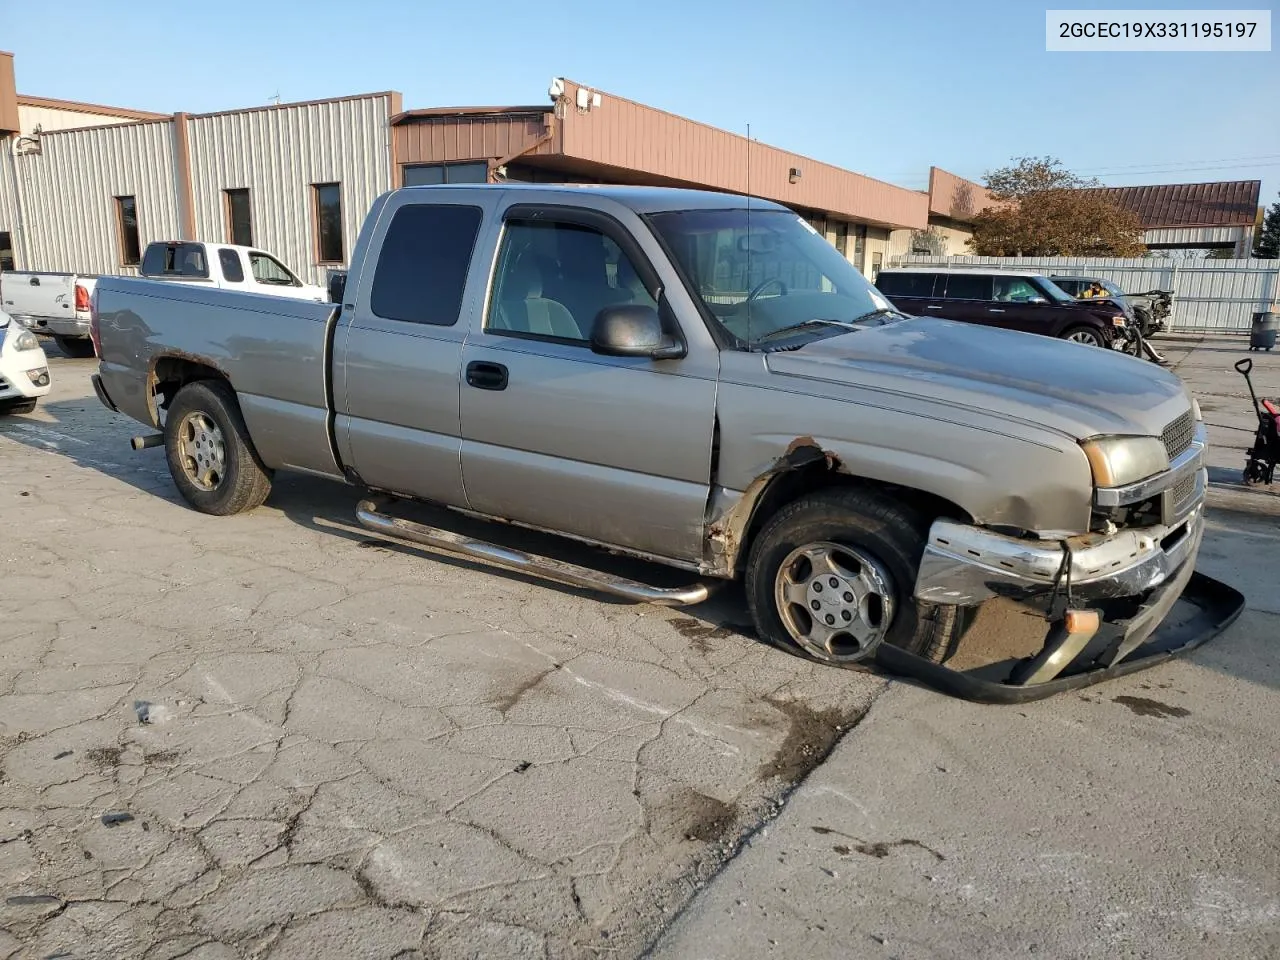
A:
{"points": [[76, 347], [18, 406], [888, 539], [211, 459], [1084, 335]]}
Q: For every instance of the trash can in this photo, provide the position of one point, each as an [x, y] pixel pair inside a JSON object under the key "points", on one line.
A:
{"points": [[1263, 334]]}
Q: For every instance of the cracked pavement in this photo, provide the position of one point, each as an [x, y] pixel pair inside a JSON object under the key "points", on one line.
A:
{"points": [[351, 748], [309, 742]]}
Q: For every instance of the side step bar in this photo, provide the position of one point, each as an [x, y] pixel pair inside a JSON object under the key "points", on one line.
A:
{"points": [[372, 518]]}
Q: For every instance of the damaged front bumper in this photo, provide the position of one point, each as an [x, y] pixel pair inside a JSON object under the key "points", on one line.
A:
{"points": [[1126, 585]]}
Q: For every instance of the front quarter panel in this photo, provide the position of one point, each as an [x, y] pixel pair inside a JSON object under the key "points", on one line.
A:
{"points": [[997, 472]]}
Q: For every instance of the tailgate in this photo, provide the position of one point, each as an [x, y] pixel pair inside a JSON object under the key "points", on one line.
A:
{"points": [[50, 295]]}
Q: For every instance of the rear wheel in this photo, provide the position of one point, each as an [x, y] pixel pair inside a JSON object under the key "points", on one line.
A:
{"points": [[76, 347], [1086, 335], [211, 459], [17, 406], [831, 576]]}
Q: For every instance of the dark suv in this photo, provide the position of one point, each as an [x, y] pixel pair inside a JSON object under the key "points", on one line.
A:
{"points": [[1002, 298]]}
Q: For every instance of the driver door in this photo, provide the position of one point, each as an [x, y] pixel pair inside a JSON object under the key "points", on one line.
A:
{"points": [[616, 450]]}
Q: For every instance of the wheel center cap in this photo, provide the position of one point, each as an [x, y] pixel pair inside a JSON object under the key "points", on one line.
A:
{"points": [[833, 600]]}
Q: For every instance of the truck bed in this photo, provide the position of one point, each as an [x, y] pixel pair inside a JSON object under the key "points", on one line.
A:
{"points": [[273, 351]]}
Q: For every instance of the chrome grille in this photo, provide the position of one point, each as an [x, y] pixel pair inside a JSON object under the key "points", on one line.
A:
{"points": [[1177, 436], [1184, 488]]}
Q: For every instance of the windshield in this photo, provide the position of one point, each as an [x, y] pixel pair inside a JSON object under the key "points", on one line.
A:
{"points": [[767, 270]]}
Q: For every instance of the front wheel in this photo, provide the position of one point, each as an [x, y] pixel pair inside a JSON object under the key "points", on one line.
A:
{"points": [[831, 576], [1085, 335], [75, 347], [211, 459]]}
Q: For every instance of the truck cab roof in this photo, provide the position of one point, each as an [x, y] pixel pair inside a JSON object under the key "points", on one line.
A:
{"points": [[639, 199]]}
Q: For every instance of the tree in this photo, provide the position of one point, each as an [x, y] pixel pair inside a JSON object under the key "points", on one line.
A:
{"points": [[1044, 210], [1267, 238]]}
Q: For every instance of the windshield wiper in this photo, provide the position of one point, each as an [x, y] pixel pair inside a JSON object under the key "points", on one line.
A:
{"points": [[794, 327], [872, 314]]}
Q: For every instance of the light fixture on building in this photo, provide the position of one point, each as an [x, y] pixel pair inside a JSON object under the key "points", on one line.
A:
{"points": [[794, 175]]}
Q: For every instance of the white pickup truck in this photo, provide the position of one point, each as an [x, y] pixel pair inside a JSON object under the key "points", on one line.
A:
{"points": [[57, 304], [227, 267]]}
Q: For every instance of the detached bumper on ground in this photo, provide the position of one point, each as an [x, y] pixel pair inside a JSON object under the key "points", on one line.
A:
{"points": [[1124, 589]]}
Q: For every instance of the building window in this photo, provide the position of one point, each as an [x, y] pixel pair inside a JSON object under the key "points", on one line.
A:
{"points": [[427, 174], [127, 224], [6, 251], [239, 221], [842, 238], [328, 222]]}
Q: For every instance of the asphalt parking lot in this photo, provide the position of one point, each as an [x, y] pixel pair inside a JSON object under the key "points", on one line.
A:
{"points": [[277, 735]]}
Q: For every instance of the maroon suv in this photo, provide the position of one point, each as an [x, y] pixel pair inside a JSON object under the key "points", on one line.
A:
{"points": [[1011, 299]]}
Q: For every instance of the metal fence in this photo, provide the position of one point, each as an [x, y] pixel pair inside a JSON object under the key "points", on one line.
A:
{"points": [[1210, 296]]}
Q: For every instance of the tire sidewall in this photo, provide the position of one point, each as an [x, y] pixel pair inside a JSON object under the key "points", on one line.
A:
{"points": [[815, 523], [200, 397]]}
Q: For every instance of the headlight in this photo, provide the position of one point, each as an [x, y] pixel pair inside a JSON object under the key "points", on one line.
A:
{"points": [[1119, 461], [26, 340]]}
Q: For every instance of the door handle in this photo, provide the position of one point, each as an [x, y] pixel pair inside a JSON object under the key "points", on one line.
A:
{"points": [[486, 376], [994, 310], [35, 281], [933, 306]]}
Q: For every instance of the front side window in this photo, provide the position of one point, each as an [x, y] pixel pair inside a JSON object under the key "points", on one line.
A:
{"points": [[553, 279], [328, 204], [761, 273], [423, 262], [267, 269], [1016, 290], [127, 228]]}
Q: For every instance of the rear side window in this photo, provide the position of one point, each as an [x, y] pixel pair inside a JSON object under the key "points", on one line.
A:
{"points": [[968, 286], [422, 267], [906, 284], [232, 270], [175, 260]]}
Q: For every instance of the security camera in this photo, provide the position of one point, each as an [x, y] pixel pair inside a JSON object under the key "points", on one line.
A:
{"points": [[556, 90]]}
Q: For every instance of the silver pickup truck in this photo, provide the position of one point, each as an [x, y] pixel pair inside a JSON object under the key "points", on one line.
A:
{"points": [[699, 380]]}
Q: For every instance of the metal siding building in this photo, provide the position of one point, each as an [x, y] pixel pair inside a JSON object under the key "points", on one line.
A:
{"points": [[69, 210], [278, 153]]}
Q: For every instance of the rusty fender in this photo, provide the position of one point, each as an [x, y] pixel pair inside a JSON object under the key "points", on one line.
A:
{"points": [[729, 519]]}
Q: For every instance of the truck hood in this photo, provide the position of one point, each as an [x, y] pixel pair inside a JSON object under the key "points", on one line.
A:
{"points": [[1075, 390]]}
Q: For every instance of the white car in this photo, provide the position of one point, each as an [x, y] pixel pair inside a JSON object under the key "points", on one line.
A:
{"points": [[24, 369]]}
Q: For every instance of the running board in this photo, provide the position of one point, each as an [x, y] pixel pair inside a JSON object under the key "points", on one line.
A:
{"points": [[372, 518]]}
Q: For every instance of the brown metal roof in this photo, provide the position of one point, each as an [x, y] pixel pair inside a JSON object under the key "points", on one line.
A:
{"points": [[1227, 203], [436, 112]]}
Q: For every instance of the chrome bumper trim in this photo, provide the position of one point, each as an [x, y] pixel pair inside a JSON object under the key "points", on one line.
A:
{"points": [[967, 565]]}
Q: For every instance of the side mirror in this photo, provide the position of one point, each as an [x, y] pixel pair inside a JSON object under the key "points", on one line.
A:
{"points": [[631, 330], [337, 287]]}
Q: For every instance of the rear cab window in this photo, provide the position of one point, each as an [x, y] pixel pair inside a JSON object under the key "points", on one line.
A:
{"points": [[186, 260], [423, 263]]}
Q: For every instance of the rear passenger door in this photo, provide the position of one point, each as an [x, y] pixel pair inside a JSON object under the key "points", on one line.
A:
{"points": [[967, 297], [396, 386], [616, 450]]}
